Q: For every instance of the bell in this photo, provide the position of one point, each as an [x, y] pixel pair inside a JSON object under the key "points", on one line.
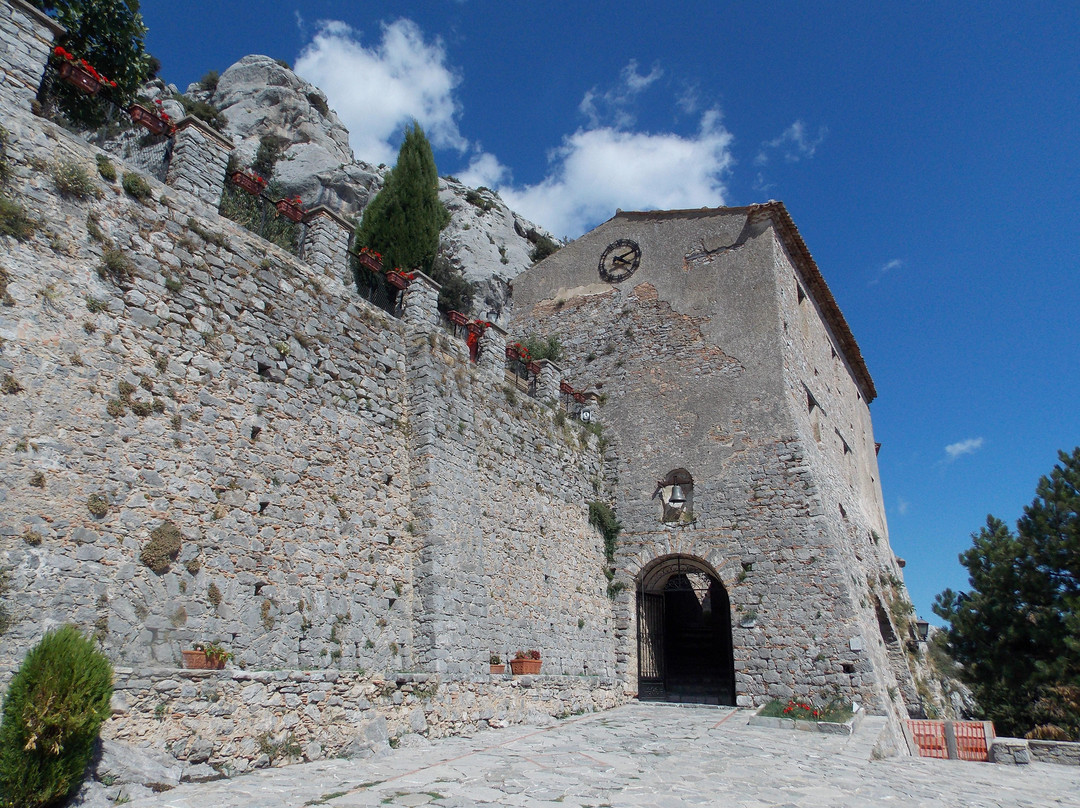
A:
{"points": [[677, 497]]}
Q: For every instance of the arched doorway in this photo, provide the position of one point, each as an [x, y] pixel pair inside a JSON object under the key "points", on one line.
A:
{"points": [[684, 634]]}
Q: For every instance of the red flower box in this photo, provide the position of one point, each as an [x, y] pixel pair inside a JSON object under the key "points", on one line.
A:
{"points": [[397, 280], [141, 115], [511, 352], [369, 261], [579, 398], [290, 209], [249, 182], [477, 327], [564, 387], [457, 318], [534, 368], [78, 76]]}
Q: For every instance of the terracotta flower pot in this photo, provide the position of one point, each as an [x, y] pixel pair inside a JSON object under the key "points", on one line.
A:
{"points": [[520, 667], [290, 210], [78, 76], [369, 261], [397, 280], [147, 118], [197, 660], [247, 182], [498, 669]]}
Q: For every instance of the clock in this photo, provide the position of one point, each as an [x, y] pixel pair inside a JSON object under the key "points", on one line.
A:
{"points": [[620, 260]]}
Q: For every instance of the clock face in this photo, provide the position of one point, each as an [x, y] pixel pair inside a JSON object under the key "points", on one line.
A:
{"points": [[620, 260]]}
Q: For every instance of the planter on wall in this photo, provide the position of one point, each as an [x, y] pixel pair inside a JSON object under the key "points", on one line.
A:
{"points": [[498, 670], [147, 118], [197, 660], [247, 182], [290, 210], [520, 667], [78, 76]]}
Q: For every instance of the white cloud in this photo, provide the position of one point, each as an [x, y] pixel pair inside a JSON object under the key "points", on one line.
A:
{"points": [[612, 107], [885, 269], [902, 506], [378, 90], [597, 170], [955, 450], [794, 144]]}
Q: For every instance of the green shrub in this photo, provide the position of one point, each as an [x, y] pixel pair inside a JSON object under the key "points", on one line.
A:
{"points": [[544, 247], [55, 706], [72, 179], [602, 517], [105, 167], [163, 547], [209, 81], [136, 185], [116, 266], [14, 221], [207, 113]]}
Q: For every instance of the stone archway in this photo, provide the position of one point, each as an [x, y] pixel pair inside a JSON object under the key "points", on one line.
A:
{"points": [[685, 649]]}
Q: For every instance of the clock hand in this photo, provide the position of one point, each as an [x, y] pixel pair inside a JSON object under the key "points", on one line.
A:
{"points": [[619, 259]]}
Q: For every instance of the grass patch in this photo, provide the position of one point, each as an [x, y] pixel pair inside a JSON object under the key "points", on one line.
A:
{"points": [[72, 179]]}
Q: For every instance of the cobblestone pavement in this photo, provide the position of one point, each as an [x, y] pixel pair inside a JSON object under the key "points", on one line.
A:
{"points": [[639, 755]]}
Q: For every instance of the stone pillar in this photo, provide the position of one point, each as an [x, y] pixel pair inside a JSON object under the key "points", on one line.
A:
{"points": [[326, 243], [199, 157], [493, 353], [421, 303], [26, 40], [547, 386]]}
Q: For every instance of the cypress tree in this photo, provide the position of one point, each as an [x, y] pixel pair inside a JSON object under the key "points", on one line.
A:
{"points": [[404, 219]]}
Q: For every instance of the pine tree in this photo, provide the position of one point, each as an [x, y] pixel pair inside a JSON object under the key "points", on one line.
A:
{"points": [[1016, 632]]}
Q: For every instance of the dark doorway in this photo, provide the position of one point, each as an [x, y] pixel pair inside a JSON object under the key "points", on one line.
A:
{"points": [[684, 635]]}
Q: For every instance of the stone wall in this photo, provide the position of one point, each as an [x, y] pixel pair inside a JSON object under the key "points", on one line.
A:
{"points": [[232, 721], [350, 493], [26, 38]]}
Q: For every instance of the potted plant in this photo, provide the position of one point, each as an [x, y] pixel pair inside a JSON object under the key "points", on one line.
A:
{"points": [[399, 279], [79, 73], [206, 656], [525, 662], [457, 318], [291, 209], [156, 121], [252, 183], [370, 259], [497, 666]]}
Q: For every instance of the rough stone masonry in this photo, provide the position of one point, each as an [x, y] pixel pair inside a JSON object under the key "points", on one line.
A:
{"points": [[365, 516]]}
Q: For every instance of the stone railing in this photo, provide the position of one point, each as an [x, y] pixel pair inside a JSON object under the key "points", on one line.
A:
{"points": [[1019, 751], [26, 40]]}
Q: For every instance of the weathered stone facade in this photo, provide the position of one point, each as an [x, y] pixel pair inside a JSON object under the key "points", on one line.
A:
{"points": [[365, 515], [724, 355], [356, 500]]}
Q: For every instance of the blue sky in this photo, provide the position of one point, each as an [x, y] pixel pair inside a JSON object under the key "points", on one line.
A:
{"points": [[927, 152]]}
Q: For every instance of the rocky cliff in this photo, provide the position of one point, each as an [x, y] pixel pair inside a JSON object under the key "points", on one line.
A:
{"points": [[485, 241]]}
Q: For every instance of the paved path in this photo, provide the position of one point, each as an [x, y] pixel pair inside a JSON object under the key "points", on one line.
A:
{"points": [[639, 755]]}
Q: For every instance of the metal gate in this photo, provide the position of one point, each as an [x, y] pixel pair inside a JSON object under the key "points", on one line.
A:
{"points": [[650, 646]]}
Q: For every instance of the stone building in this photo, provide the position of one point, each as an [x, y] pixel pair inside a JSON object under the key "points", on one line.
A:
{"points": [[754, 550], [364, 516]]}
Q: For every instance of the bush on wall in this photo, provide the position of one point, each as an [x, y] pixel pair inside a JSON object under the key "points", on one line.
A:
{"points": [[55, 706]]}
